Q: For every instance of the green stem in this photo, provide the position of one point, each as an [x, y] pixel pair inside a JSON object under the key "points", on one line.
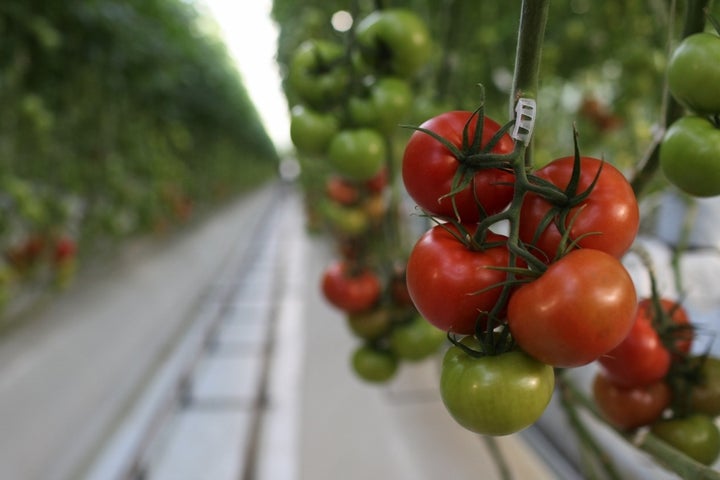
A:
{"points": [[533, 18], [694, 22], [498, 456]]}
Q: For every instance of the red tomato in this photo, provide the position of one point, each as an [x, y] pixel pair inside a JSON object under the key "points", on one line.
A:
{"points": [[607, 220], [630, 408], [350, 291], [341, 190], [679, 328], [428, 169], [640, 359], [449, 283], [579, 309], [378, 183]]}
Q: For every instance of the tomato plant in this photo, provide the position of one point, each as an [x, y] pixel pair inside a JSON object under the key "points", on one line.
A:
{"points": [[628, 408], [689, 155], [373, 365], [606, 219], [494, 394], [694, 72], [348, 290], [450, 283], [430, 171], [579, 309], [696, 435]]}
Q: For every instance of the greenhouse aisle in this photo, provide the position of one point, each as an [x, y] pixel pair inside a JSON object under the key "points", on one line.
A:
{"points": [[214, 357]]}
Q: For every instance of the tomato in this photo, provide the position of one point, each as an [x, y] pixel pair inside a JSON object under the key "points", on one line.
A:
{"points": [[608, 219], [316, 74], [343, 220], [694, 73], [697, 436], [350, 291], [640, 359], [705, 394], [358, 154], [65, 249], [372, 365], [398, 289], [416, 339], [394, 41], [428, 169], [341, 190], [388, 102], [582, 307], [633, 407], [494, 395], [377, 183], [449, 283], [689, 156], [311, 131], [370, 324]]}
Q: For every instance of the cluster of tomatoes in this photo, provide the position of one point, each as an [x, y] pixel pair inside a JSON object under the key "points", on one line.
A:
{"points": [[352, 96], [523, 265], [690, 149]]}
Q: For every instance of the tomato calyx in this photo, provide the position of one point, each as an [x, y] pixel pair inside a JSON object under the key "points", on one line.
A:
{"points": [[491, 343]]}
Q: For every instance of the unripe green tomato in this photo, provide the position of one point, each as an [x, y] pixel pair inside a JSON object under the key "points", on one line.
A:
{"points": [[696, 435], [705, 396], [690, 156], [416, 340], [345, 220], [369, 325], [375, 366], [316, 75], [358, 154], [694, 73], [311, 131], [394, 41], [388, 103]]}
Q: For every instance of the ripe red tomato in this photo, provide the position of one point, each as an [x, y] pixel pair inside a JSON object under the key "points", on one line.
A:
{"points": [[449, 283], [608, 219], [630, 408], [579, 309], [428, 169], [341, 190], [641, 358], [350, 291]]}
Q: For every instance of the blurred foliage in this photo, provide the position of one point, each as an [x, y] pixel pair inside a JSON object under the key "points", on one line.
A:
{"points": [[603, 63], [119, 116]]}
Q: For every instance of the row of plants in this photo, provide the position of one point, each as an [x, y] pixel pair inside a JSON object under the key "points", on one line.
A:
{"points": [[521, 260], [119, 118]]}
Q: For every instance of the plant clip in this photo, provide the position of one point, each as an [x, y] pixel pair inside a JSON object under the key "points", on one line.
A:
{"points": [[525, 111]]}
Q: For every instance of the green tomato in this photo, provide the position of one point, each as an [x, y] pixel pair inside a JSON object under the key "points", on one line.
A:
{"points": [[371, 324], [316, 73], [697, 436], [694, 73], [690, 156], [345, 220], [494, 394], [705, 395], [389, 101], [394, 41], [416, 339], [358, 154], [311, 131], [372, 365]]}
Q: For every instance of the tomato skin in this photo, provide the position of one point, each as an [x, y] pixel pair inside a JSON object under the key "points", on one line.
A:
{"points": [[689, 155], [608, 219], [341, 190], [428, 168], [394, 41], [641, 358], [494, 395], [443, 276], [313, 74], [705, 395], [358, 154], [311, 131], [344, 220], [696, 435], [388, 102], [633, 407], [349, 291], [416, 339], [369, 324], [374, 366], [579, 309], [694, 72]]}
